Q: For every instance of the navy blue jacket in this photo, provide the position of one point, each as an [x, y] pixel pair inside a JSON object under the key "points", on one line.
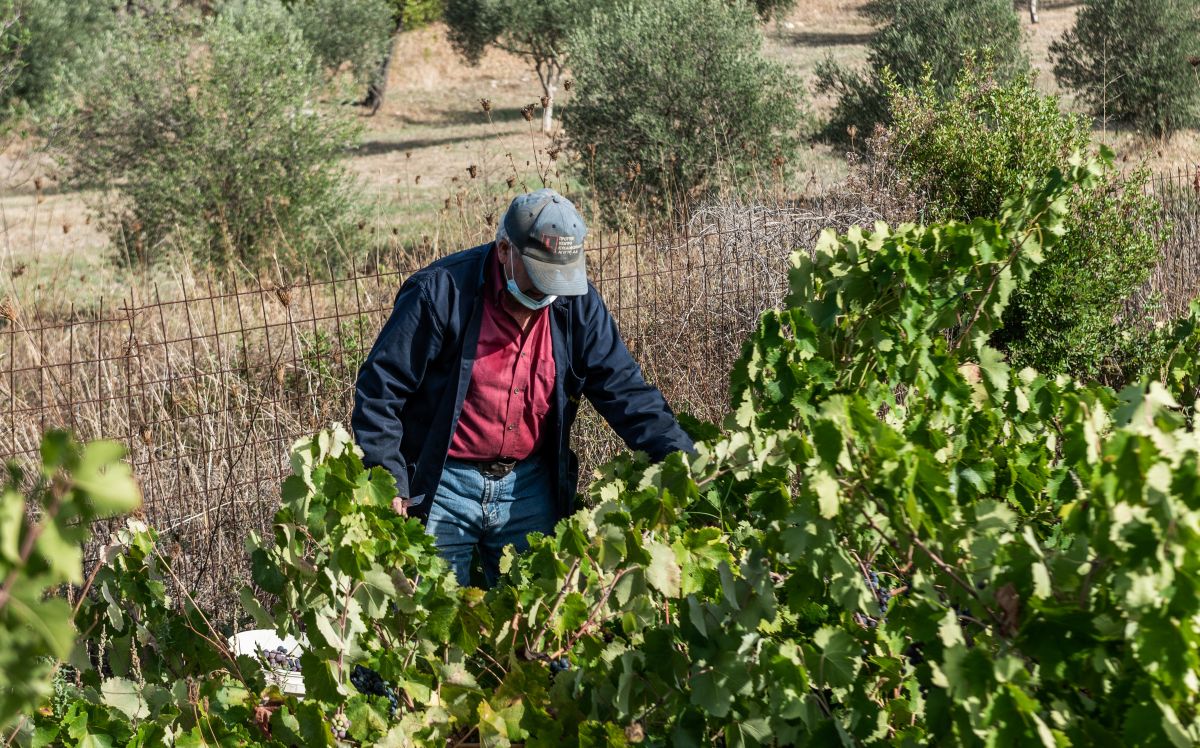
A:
{"points": [[410, 390]]}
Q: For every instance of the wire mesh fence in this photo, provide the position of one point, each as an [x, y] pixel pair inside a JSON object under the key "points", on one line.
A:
{"points": [[1176, 279], [208, 380]]}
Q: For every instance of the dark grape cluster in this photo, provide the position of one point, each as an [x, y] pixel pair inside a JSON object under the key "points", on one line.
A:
{"points": [[882, 594], [559, 665], [278, 658], [370, 683], [340, 724]]}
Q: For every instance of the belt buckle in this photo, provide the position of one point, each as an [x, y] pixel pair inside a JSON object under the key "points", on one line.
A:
{"points": [[499, 468]]}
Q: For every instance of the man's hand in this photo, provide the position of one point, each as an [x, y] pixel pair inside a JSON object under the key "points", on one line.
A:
{"points": [[400, 505]]}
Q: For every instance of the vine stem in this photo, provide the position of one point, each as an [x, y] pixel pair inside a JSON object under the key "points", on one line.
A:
{"points": [[350, 592], [15, 731], [568, 583], [595, 610], [215, 638], [946, 568], [1035, 226], [87, 587]]}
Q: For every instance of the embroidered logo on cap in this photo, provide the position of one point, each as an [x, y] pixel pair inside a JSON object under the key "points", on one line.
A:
{"points": [[561, 245]]}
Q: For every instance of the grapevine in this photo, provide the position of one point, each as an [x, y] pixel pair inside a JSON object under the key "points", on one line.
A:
{"points": [[894, 538]]}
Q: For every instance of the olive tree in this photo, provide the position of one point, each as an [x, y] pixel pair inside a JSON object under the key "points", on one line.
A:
{"points": [[1131, 60], [214, 140], [680, 100], [916, 37], [537, 30]]}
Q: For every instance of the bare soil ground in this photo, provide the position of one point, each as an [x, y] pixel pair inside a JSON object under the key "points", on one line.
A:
{"points": [[417, 152]]}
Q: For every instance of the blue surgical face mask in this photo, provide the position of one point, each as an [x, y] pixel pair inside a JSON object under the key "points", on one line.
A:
{"points": [[518, 294]]}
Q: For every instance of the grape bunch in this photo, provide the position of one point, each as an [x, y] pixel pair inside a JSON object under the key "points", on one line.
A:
{"points": [[371, 683], [279, 659], [340, 724], [559, 665]]}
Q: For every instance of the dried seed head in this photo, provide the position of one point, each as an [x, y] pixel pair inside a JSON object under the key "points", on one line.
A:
{"points": [[635, 733], [490, 219], [568, 84], [459, 198], [852, 131], [527, 112], [19, 270], [1194, 61], [591, 150], [417, 180], [66, 228], [284, 294], [279, 375], [545, 102], [408, 154], [147, 435], [37, 183], [485, 104], [447, 203], [8, 310], [553, 153], [512, 182], [473, 170]]}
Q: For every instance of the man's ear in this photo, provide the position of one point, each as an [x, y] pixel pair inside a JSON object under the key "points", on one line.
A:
{"points": [[502, 250]]}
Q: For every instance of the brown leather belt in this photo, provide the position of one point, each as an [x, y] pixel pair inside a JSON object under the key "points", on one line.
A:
{"points": [[493, 468]]}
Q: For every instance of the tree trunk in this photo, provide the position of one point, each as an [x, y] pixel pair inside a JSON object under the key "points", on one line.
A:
{"points": [[548, 110], [1033, 11], [377, 88], [550, 87]]}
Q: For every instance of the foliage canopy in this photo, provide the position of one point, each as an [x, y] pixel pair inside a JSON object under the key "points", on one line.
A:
{"points": [[225, 151], [1134, 61], [919, 39], [347, 32], [680, 103], [41, 40], [984, 143]]}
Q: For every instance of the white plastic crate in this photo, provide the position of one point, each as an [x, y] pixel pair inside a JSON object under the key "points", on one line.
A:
{"points": [[256, 642]]}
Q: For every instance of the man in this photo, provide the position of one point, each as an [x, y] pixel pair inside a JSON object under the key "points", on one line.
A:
{"points": [[469, 393]]}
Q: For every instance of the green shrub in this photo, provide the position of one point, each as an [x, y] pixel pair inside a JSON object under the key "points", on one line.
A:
{"points": [[1129, 61], [353, 32], [45, 38], [679, 102], [918, 38], [988, 141], [213, 139], [983, 143]]}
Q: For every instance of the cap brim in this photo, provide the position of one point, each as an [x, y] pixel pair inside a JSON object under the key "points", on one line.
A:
{"points": [[554, 279]]}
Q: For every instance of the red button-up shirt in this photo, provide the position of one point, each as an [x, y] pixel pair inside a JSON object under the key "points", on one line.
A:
{"points": [[504, 413]]}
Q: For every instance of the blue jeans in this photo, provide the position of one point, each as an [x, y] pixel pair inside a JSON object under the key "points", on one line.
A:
{"points": [[472, 510]]}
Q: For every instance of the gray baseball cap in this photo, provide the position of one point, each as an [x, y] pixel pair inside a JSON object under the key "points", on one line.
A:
{"points": [[548, 231]]}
